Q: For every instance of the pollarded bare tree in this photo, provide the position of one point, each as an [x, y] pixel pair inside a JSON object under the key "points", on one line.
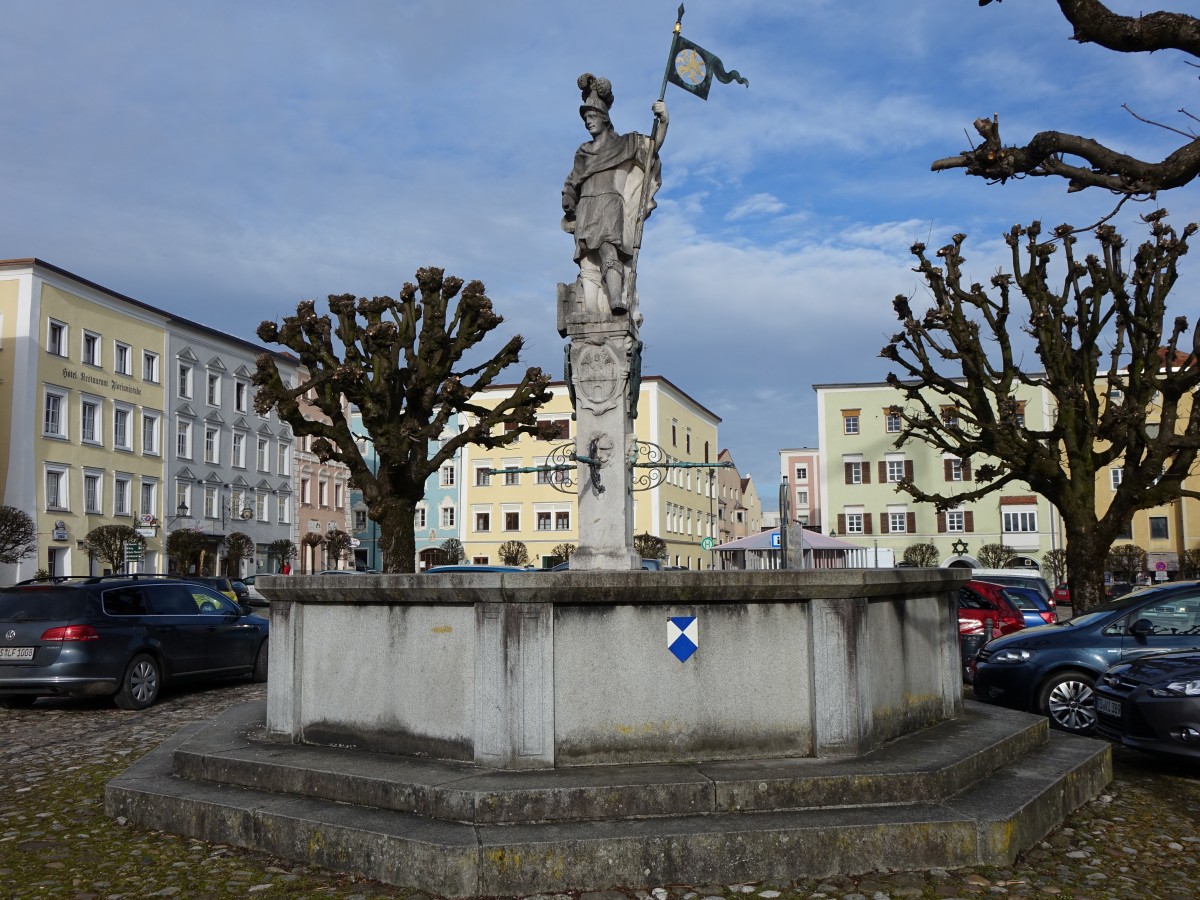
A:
{"points": [[1082, 161], [923, 556], [401, 363], [107, 543], [1121, 378]]}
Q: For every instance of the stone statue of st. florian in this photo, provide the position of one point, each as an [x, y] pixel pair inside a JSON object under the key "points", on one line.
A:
{"points": [[606, 198]]}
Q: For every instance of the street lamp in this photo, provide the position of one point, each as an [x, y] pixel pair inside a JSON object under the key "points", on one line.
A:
{"points": [[181, 512]]}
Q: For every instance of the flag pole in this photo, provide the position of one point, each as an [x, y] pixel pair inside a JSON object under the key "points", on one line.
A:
{"points": [[630, 284]]}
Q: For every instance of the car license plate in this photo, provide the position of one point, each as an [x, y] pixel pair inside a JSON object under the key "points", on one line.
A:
{"points": [[16, 652], [1108, 707]]}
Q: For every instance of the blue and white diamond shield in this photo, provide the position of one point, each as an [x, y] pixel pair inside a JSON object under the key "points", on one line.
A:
{"points": [[683, 636]]}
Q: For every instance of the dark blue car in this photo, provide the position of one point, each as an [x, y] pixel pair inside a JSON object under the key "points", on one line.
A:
{"points": [[122, 636], [1052, 669]]}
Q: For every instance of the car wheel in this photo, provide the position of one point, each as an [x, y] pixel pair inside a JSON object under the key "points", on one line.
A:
{"points": [[17, 701], [1068, 700], [141, 684], [260, 663]]}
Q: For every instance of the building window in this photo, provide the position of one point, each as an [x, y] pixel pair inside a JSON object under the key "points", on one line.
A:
{"points": [[149, 434], [855, 472], [264, 455], [185, 381], [1020, 521], [91, 349], [419, 517], [261, 508], [360, 520], [241, 394], [956, 520], [150, 367], [122, 434], [56, 338], [338, 494], [483, 521], [687, 441], [1158, 528], [854, 523], [183, 495], [122, 358], [183, 441], [284, 459], [149, 505], [950, 416], [92, 501], [1115, 476], [562, 521], [89, 421], [802, 473], [305, 492], [512, 521], [322, 493], [214, 389], [53, 423], [447, 516], [238, 455], [543, 521], [284, 508], [120, 496], [895, 471], [891, 420], [483, 477], [897, 522], [210, 501], [954, 470], [512, 476], [447, 475], [850, 421], [56, 489], [674, 435], [802, 498]]}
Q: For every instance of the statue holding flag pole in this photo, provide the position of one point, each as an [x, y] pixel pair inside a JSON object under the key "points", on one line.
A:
{"points": [[606, 199]]}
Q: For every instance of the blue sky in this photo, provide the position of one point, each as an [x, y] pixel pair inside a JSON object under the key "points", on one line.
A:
{"points": [[226, 160]]}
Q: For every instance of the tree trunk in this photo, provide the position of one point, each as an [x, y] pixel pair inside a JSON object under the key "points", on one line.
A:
{"points": [[1087, 556], [397, 536]]}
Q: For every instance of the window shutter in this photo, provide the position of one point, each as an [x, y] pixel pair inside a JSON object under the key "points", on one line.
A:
{"points": [[911, 523], [883, 523], [882, 471], [941, 523], [848, 474], [841, 529], [867, 523], [966, 470], [946, 470], [866, 473], [908, 470], [969, 521]]}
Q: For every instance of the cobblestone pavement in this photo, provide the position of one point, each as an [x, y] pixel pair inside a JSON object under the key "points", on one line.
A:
{"points": [[1140, 839]]}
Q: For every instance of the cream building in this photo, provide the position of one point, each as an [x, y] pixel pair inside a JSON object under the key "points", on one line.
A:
{"points": [[528, 506]]}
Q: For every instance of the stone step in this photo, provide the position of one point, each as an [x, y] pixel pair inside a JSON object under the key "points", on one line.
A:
{"points": [[928, 766], [988, 823]]}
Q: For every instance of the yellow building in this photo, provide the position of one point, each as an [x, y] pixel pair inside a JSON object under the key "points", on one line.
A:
{"points": [[528, 506], [82, 404]]}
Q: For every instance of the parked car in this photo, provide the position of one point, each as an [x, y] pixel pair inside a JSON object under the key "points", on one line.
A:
{"points": [[649, 565], [254, 597], [1053, 669], [1152, 704], [1028, 578], [1034, 607], [124, 636], [1062, 594], [219, 582], [987, 604], [467, 567]]}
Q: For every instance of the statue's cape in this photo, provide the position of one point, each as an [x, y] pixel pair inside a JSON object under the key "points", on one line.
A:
{"points": [[617, 150]]}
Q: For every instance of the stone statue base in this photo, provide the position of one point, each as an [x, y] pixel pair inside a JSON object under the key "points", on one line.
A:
{"points": [[603, 369]]}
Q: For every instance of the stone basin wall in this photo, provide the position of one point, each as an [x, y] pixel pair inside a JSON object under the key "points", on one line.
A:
{"points": [[539, 669]]}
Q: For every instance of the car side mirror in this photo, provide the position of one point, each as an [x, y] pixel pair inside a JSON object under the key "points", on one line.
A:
{"points": [[1141, 628], [247, 609]]}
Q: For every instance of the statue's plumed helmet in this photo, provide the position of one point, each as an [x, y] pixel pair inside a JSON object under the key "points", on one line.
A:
{"points": [[597, 94]]}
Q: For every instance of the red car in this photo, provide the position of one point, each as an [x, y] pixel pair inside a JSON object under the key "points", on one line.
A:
{"points": [[984, 609], [1062, 594]]}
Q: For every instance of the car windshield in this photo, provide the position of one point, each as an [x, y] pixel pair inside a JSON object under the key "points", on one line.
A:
{"points": [[34, 603], [1106, 609]]}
